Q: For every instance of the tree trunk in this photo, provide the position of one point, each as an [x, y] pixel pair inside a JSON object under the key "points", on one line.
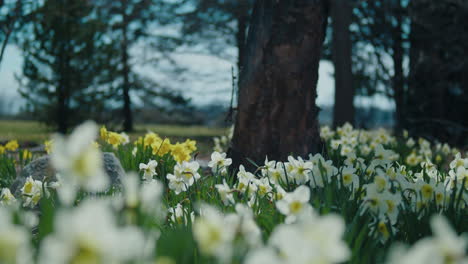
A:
{"points": [[4, 44], [62, 113], [343, 110], [277, 114], [242, 16], [398, 77], [127, 111], [63, 71]]}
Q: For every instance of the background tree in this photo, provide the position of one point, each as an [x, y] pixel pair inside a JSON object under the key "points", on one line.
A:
{"points": [[13, 14], [63, 58], [214, 24], [438, 70], [341, 14], [382, 45], [132, 27], [277, 115]]}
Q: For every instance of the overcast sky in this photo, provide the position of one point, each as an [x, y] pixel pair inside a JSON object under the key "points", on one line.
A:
{"points": [[213, 86]]}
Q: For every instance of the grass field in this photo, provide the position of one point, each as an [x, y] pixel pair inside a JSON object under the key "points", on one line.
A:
{"points": [[30, 133]]}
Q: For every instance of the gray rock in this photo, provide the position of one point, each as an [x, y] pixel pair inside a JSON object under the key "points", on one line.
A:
{"points": [[41, 168]]}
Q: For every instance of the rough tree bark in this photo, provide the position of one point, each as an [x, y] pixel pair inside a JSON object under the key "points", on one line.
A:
{"points": [[343, 110], [277, 114]]}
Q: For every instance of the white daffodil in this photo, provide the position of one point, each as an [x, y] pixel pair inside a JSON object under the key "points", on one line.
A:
{"points": [[264, 255], [252, 188], [444, 247], [277, 174], [442, 195], [146, 194], [78, 160], [244, 225], [225, 193], [29, 219], [326, 232], [179, 215], [280, 193], [383, 156], [294, 203], [187, 171], [458, 177], [211, 234], [425, 189], [244, 179], [311, 240], [447, 243], [264, 187], [89, 234], [349, 179], [6, 197], [149, 170], [373, 201], [176, 184], [458, 161], [151, 198], [184, 176], [380, 181], [301, 169], [219, 163], [381, 229], [322, 170], [268, 167], [392, 202], [125, 138], [14, 240], [131, 189], [32, 192]]}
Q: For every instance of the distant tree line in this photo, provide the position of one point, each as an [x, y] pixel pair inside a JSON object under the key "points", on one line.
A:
{"points": [[80, 59]]}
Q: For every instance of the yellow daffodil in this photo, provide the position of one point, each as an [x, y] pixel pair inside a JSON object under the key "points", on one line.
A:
{"points": [[12, 145]]}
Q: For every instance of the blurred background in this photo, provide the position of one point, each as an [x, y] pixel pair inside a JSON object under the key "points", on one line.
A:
{"points": [[172, 66]]}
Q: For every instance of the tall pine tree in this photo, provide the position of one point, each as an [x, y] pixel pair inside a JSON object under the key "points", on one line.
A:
{"points": [[64, 56], [132, 26]]}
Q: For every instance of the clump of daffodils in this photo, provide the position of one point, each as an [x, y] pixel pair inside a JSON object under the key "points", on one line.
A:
{"points": [[12, 145], [162, 146], [185, 175], [386, 188], [113, 138]]}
